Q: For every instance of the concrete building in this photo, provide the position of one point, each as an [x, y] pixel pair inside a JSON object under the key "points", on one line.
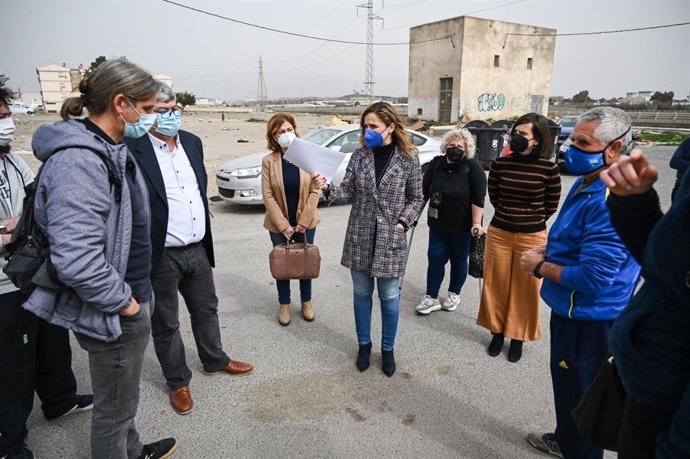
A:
{"points": [[167, 79], [57, 82], [483, 70]]}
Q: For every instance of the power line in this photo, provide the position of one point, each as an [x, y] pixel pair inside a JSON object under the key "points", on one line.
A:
{"points": [[270, 29], [576, 34]]}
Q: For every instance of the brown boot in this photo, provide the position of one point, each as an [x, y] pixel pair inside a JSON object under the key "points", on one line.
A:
{"points": [[284, 315], [307, 311]]}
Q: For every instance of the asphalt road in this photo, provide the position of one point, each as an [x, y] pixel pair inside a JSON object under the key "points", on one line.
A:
{"points": [[306, 399]]}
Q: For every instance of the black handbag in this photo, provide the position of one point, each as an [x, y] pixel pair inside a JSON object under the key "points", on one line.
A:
{"points": [[476, 264], [599, 414]]}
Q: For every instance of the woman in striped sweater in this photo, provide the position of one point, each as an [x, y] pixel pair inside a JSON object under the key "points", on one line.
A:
{"points": [[524, 188]]}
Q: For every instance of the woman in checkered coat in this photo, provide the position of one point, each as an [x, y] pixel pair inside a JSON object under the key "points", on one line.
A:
{"points": [[384, 183]]}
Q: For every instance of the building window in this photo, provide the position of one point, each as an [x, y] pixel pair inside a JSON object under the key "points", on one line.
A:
{"points": [[419, 112], [529, 63], [497, 60]]}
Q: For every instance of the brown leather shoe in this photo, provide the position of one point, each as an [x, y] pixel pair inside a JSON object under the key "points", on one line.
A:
{"points": [[284, 315], [181, 400], [235, 368], [307, 311]]}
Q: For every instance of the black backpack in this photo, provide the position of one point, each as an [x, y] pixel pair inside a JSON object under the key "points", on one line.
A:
{"points": [[28, 253]]}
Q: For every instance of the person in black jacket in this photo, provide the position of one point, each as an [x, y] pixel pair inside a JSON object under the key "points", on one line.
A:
{"points": [[172, 162], [454, 184], [650, 340], [680, 161]]}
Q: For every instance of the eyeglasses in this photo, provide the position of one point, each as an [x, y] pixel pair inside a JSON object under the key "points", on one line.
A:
{"points": [[175, 111]]}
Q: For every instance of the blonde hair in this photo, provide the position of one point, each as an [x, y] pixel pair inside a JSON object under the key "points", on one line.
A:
{"points": [[388, 115], [460, 133]]}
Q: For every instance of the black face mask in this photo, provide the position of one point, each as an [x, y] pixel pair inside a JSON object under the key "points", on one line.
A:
{"points": [[455, 154], [518, 144]]}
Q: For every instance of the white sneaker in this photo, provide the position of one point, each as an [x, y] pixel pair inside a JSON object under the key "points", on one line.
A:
{"points": [[428, 305], [451, 302]]}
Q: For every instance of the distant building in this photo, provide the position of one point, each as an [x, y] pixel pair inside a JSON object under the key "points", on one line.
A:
{"points": [[638, 98], [167, 79], [482, 71], [208, 101], [57, 82]]}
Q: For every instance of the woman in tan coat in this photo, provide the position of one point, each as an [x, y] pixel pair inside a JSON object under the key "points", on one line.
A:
{"points": [[290, 199]]}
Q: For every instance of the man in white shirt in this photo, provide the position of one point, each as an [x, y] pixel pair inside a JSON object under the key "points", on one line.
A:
{"points": [[172, 162]]}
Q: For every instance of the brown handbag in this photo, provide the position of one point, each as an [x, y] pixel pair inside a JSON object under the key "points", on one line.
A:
{"points": [[295, 261]]}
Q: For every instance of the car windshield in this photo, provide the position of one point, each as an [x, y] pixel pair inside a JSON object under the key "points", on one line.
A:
{"points": [[320, 136], [568, 122]]}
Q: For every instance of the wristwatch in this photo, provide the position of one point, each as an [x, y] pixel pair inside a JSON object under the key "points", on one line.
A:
{"points": [[536, 272]]}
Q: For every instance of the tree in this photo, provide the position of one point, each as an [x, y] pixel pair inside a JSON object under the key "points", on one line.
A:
{"points": [[582, 97], [185, 98], [98, 61], [662, 99]]}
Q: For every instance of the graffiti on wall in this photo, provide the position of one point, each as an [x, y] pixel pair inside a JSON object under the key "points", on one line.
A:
{"points": [[491, 102]]}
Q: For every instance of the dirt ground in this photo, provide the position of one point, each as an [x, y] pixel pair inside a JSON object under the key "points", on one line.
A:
{"points": [[223, 140]]}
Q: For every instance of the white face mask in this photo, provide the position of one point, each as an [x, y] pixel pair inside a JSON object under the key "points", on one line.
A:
{"points": [[286, 138], [6, 131]]}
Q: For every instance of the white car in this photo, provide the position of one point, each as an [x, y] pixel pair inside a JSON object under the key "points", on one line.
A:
{"points": [[19, 107], [239, 180]]}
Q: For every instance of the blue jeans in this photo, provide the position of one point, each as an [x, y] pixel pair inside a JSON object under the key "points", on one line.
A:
{"points": [[187, 270], [442, 247], [115, 376], [284, 285], [389, 295]]}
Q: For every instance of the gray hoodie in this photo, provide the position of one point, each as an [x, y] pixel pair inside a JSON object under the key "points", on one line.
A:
{"points": [[89, 231]]}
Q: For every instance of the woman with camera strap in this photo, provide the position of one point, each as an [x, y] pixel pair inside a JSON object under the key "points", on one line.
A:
{"points": [[455, 186]]}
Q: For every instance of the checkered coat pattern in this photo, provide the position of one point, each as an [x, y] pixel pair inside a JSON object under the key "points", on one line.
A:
{"points": [[372, 243]]}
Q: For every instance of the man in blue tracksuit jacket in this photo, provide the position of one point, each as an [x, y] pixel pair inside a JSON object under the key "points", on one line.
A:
{"points": [[589, 275]]}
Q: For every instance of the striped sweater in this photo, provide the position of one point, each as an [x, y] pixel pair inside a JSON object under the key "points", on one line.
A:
{"points": [[524, 192]]}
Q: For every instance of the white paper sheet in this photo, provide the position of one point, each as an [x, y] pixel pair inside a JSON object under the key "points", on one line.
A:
{"points": [[314, 158]]}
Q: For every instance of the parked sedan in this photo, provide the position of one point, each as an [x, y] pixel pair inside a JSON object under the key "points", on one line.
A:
{"points": [[239, 180]]}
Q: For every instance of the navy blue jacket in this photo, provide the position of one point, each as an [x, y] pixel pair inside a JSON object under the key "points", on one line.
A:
{"points": [[650, 340], [143, 152]]}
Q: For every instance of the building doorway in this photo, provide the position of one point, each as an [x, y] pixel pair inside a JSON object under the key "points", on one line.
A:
{"points": [[537, 104], [445, 101]]}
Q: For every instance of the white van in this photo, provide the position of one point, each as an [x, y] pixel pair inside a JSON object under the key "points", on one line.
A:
{"points": [[19, 107]]}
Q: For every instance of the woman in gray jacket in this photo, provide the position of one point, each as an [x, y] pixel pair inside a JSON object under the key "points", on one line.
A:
{"points": [[92, 203], [384, 183]]}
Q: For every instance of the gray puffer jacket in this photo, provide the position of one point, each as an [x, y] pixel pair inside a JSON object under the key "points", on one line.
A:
{"points": [[89, 231]]}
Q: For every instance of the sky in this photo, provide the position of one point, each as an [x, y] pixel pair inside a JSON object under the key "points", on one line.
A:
{"points": [[212, 57]]}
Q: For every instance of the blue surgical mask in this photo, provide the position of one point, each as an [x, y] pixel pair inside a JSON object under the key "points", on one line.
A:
{"points": [[141, 127], [372, 139], [169, 125], [581, 162]]}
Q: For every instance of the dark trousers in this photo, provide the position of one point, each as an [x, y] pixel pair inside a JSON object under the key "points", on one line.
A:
{"points": [[641, 425], [283, 285], [187, 270], [116, 376], [443, 247], [577, 350], [34, 356]]}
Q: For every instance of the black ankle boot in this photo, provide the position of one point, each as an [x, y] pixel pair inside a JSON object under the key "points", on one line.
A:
{"points": [[388, 362], [496, 344], [515, 351], [363, 356]]}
